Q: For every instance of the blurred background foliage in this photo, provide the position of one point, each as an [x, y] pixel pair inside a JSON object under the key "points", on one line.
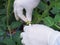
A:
{"points": [[47, 13]]}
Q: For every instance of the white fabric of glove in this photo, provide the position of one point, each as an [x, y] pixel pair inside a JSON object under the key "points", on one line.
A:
{"points": [[38, 34], [28, 5]]}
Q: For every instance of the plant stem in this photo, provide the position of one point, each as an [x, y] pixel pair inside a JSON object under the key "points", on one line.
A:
{"points": [[8, 13], [56, 26], [46, 11]]}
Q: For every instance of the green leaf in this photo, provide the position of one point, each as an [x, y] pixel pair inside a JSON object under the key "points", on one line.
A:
{"points": [[15, 24], [1, 43], [9, 41], [17, 38], [55, 10], [1, 32], [48, 21], [42, 6], [36, 18], [2, 11], [57, 5], [57, 18]]}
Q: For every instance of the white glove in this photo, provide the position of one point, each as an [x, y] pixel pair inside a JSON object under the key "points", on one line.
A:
{"points": [[28, 5], [38, 34]]}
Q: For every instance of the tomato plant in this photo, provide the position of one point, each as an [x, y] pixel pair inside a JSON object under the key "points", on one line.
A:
{"points": [[47, 13]]}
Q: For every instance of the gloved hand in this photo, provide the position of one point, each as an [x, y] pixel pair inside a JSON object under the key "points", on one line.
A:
{"points": [[28, 5], [38, 34]]}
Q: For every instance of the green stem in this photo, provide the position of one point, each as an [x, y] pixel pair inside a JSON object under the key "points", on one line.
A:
{"points": [[46, 11], [8, 13], [10, 32], [56, 26]]}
